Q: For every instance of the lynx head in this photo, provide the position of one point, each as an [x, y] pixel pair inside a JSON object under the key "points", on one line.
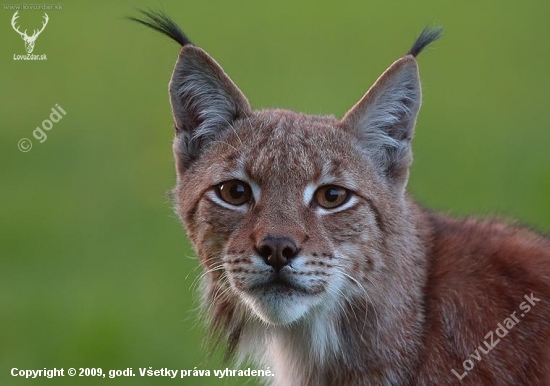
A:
{"points": [[292, 216]]}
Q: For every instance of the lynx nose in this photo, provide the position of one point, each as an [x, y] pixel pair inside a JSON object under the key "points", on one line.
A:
{"points": [[277, 251]]}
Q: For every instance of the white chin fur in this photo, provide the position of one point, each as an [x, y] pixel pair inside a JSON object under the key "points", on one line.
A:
{"points": [[277, 309]]}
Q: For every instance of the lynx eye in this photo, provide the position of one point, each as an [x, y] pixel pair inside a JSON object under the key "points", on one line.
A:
{"points": [[234, 192], [331, 196]]}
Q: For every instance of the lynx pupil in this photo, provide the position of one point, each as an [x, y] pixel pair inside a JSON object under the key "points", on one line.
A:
{"points": [[332, 194], [237, 191]]}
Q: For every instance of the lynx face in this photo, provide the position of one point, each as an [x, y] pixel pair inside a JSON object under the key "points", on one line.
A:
{"points": [[290, 213], [286, 209]]}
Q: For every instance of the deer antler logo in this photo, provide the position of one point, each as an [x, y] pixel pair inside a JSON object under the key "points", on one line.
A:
{"points": [[29, 40]]}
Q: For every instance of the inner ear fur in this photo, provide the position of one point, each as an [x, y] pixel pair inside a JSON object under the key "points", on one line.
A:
{"points": [[383, 120], [205, 102]]}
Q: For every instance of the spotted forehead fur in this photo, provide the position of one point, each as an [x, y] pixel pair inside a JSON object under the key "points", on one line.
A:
{"points": [[272, 146]]}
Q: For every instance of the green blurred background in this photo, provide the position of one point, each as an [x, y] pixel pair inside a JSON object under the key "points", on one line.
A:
{"points": [[95, 270]]}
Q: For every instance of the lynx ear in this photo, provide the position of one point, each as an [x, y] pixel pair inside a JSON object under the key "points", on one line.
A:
{"points": [[205, 102], [384, 119]]}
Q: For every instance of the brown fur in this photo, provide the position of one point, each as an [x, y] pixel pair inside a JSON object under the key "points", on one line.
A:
{"points": [[379, 290], [478, 275]]}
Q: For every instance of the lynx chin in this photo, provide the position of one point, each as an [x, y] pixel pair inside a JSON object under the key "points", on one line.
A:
{"points": [[317, 262]]}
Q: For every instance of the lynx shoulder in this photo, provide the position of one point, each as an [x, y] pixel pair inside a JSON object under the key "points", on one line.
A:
{"points": [[317, 262]]}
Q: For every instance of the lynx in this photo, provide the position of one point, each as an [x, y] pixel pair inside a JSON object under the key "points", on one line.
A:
{"points": [[317, 262]]}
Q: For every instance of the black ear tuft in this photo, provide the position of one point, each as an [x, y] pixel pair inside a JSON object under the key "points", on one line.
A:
{"points": [[428, 35], [162, 23]]}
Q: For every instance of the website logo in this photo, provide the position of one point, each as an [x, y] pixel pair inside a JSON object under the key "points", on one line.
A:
{"points": [[29, 40]]}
